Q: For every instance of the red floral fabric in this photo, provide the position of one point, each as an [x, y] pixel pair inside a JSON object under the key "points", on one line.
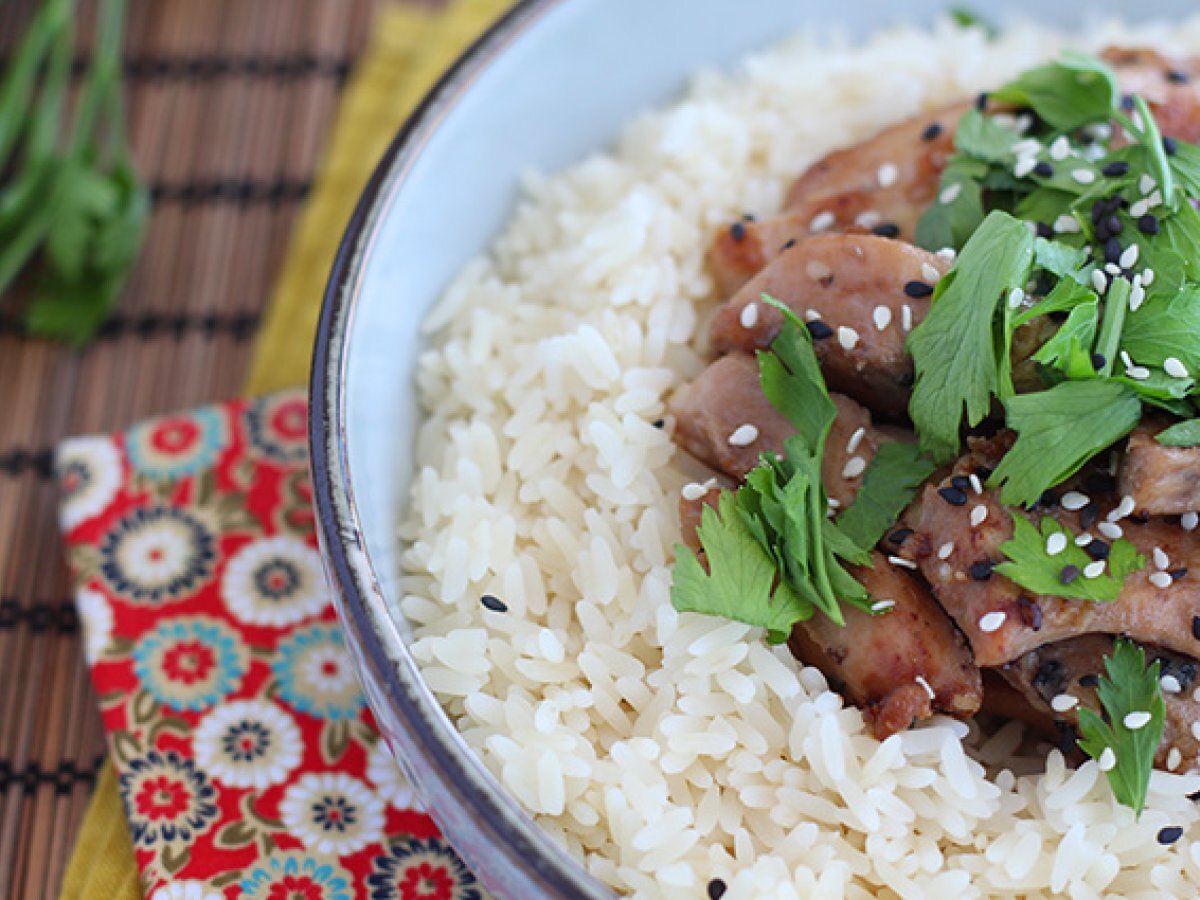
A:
{"points": [[248, 762]]}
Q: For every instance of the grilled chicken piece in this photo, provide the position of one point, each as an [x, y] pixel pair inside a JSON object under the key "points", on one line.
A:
{"points": [[1171, 88], [966, 587], [1072, 668], [1163, 481], [877, 660], [846, 280], [728, 395]]}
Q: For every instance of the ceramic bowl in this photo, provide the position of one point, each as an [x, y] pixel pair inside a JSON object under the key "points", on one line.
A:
{"points": [[550, 82]]}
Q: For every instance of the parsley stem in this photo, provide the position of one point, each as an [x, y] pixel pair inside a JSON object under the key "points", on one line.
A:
{"points": [[1116, 306], [1150, 138], [20, 79]]}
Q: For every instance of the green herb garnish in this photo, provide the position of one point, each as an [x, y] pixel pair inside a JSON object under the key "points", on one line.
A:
{"points": [[1128, 688], [1033, 567], [1181, 434], [890, 483]]}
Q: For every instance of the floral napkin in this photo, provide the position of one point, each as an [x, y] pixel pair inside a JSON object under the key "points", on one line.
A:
{"points": [[248, 763]]}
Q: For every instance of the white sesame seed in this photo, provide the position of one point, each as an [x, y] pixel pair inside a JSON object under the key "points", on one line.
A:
{"points": [[1129, 257], [1073, 500], [1147, 277], [1146, 184], [817, 270], [930, 273], [743, 435], [1024, 166], [1189, 520], [925, 684], [976, 484], [833, 502], [1015, 298], [902, 562], [847, 337], [1060, 149], [1107, 760], [1112, 268], [1094, 569], [1084, 176], [1170, 684], [749, 316], [1099, 282], [945, 550], [947, 253], [812, 316], [1124, 508], [1056, 544], [881, 605], [950, 193], [1155, 199], [1161, 580], [868, 219], [887, 174], [882, 316], [1139, 208], [1110, 530], [854, 467], [1137, 296], [1174, 758], [978, 515], [906, 322], [991, 622], [1027, 147], [1161, 560], [693, 491], [1066, 224], [1135, 720], [1064, 702], [1196, 725], [1126, 359], [1175, 368], [1138, 373], [822, 221], [855, 439]]}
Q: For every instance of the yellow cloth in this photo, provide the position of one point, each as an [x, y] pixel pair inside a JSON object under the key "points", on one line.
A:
{"points": [[410, 49]]}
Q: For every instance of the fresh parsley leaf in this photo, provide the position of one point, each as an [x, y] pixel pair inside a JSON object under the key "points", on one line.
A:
{"points": [[965, 17], [955, 214], [1067, 94], [1072, 339], [1181, 434], [791, 379], [1030, 566], [890, 483], [1128, 686], [1063, 260], [1058, 430], [741, 579], [1165, 327], [956, 350], [1063, 297]]}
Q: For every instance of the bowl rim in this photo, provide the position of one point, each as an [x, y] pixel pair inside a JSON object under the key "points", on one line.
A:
{"points": [[535, 864]]}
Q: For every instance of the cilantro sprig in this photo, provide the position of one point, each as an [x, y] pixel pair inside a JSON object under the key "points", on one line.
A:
{"points": [[1033, 567], [1128, 687]]}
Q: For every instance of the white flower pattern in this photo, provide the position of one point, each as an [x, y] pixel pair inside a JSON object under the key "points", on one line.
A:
{"points": [[89, 477], [97, 618], [187, 890], [248, 744], [387, 779], [277, 581], [332, 812]]}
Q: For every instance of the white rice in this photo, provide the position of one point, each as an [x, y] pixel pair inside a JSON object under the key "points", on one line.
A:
{"points": [[661, 749]]}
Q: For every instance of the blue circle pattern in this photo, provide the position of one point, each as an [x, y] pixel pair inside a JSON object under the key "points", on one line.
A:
{"points": [[212, 634], [387, 869], [202, 554], [259, 432], [289, 655], [212, 439], [203, 811], [261, 877]]}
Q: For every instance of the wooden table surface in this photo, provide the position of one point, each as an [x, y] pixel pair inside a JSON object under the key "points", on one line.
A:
{"points": [[231, 102]]}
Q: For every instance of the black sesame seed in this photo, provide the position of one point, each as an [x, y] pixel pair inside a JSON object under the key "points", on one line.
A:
{"points": [[1112, 250], [1116, 169], [981, 571], [1097, 549], [1102, 232], [953, 496], [1091, 680], [981, 101], [899, 536], [983, 473], [1049, 499], [1114, 226], [1031, 613], [1196, 627], [886, 229], [1044, 231], [1098, 361], [1069, 573], [747, 217], [1175, 76], [791, 242], [1127, 102], [1088, 515], [818, 329], [1148, 224], [1099, 211], [737, 231], [918, 289], [716, 889], [1169, 835], [495, 604], [1043, 169], [962, 482], [1176, 574], [1170, 146], [1195, 795], [932, 130], [659, 423]]}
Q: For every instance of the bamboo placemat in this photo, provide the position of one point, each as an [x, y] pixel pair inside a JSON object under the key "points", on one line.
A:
{"points": [[230, 104]]}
